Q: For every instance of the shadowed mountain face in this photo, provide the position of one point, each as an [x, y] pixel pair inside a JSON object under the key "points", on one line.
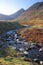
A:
{"points": [[11, 17]]}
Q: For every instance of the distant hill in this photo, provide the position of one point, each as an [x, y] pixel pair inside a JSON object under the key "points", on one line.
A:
{"points": [[11, 17], [4, 17]]}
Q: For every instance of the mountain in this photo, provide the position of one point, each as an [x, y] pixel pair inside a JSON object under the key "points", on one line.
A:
{"points": [[4, 17], [33, 15], [33, 18], [18, 13], [13, 16]]}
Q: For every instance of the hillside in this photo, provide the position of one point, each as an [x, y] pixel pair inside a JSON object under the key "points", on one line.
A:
{"points": [[6, 26], [33, 15], [32, 35]]}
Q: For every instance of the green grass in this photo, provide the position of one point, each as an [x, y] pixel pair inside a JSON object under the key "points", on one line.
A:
{"points": [[13, 58], [14, 61], [5, 26]]}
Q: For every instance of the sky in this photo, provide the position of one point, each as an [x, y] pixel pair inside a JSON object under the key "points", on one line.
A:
{"points": [[11, 6]]}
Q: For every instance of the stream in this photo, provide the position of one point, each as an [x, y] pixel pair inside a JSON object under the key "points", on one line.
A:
{"points": [[17, 43]]}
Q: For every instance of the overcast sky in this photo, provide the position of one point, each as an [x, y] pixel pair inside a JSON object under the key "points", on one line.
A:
{"points": [[11, 6]]}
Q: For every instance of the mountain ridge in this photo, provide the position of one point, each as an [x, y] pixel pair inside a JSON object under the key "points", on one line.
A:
{"points": [[32, 16], [37, 6]]}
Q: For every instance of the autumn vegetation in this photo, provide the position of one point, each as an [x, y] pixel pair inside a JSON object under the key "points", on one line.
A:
{"points": [[32, 35]]}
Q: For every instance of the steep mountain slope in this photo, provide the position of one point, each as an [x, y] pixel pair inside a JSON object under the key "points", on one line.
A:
{"points": [[11, 17], [33, 15]]}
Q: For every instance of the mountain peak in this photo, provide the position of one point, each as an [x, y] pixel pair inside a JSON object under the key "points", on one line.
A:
{"points": [[18, 13], [21, 9]]}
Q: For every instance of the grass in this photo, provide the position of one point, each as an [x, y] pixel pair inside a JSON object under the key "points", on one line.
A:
{"points": [[6, 26], [14, 61], [13, 58]]}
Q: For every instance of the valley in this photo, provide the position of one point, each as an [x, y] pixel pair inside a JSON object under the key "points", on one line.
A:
{"points": [[21, 36]]}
